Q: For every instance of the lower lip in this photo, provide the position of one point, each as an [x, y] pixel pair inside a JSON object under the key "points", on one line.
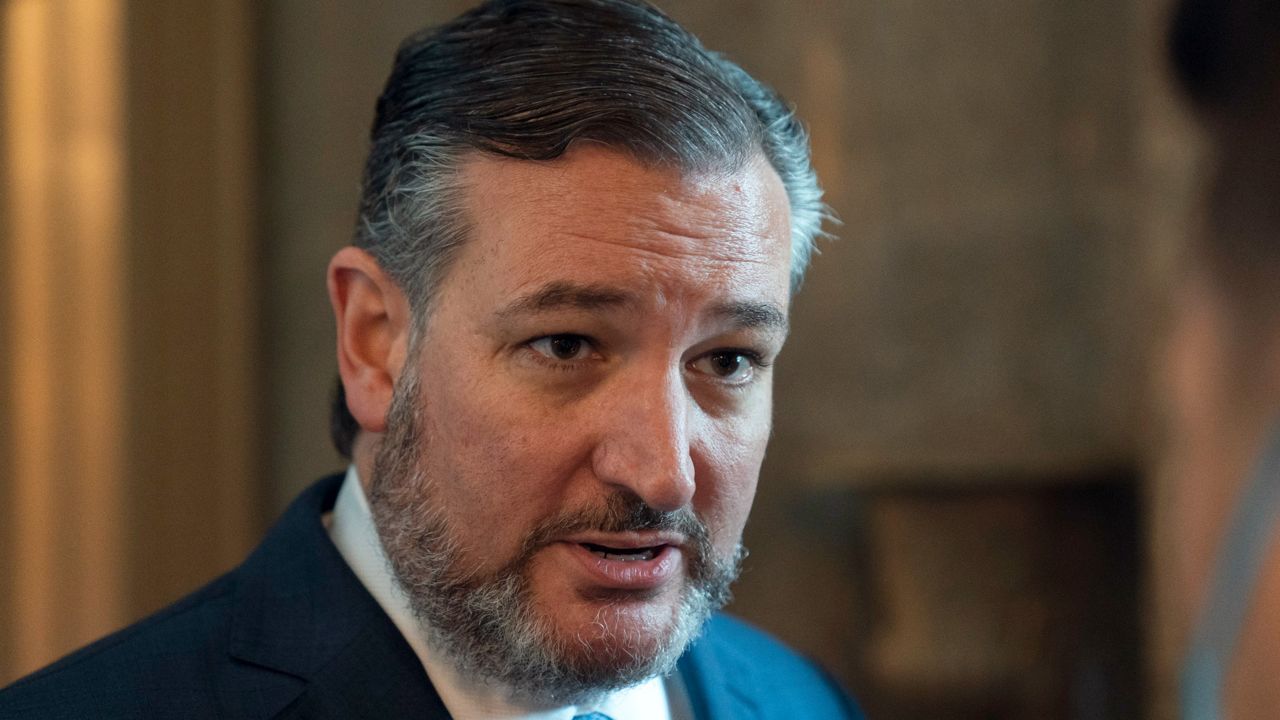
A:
{"points": [[628, 574]]}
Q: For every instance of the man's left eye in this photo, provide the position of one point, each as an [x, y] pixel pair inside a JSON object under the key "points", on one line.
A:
{"points": [[729, 366]]}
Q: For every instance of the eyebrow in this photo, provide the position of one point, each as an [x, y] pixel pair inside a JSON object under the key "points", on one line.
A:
{"points": [[753, 315], [562, 295], [567, 295]]}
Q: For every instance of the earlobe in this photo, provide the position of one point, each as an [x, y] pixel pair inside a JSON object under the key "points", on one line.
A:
{"points": [[373, 322]]}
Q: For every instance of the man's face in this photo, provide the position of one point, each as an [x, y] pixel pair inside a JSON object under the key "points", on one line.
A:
{"points": [[575, 441]]}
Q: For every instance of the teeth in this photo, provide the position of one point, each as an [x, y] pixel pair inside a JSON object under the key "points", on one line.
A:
{"points": [[645, 554]]}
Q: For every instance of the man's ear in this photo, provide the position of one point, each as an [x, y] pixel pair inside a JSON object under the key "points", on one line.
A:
{"points": [[373, 319]]}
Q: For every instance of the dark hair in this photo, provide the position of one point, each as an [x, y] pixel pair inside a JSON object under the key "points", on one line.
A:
{"points": [[527, 79], [1225, 55]]}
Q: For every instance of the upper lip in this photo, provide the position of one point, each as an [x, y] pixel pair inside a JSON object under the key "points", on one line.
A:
{"points": [[633, 540]]}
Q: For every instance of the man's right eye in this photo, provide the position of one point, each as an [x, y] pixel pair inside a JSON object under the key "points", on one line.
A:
{"points": [[567, 348]]}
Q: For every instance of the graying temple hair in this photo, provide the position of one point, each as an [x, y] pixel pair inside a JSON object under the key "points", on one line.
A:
{"points": [[528, 78]]}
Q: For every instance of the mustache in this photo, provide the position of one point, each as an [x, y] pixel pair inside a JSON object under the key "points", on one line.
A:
{"points": [[624, 512], [620, 512]]}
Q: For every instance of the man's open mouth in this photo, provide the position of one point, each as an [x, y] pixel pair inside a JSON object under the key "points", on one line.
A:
{"points": [[624, 554]]}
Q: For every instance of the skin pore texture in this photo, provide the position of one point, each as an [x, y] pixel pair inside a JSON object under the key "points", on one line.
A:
{"points": [[561, 461]]}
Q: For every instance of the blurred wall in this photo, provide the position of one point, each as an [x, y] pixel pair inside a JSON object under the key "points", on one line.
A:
{"points": [[954, 509], [129, 311]]}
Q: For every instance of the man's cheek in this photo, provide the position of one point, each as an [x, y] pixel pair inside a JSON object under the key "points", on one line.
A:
{"points": [[725, 505]]}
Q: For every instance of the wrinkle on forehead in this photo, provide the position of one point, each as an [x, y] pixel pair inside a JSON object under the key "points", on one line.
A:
{"points": [[561, 294], [594, 215], [677, 246], [749, 204]]}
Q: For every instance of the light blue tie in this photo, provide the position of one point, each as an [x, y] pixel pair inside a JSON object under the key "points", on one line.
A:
{"points": [[592, 716]]}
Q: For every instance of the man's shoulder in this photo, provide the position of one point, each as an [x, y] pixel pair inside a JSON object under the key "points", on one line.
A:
{"points": [[196, 658], [169, 658], [754, 668], [741, 637]]}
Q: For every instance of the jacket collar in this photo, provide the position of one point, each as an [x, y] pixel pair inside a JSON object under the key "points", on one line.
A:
{"points": [[300, 611]]}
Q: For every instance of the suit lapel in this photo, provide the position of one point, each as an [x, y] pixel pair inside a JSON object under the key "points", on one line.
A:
{"points": [[301, 613], [376, 677]]}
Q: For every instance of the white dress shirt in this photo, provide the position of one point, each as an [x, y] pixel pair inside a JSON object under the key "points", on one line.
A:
{"points": [[351, 528]]}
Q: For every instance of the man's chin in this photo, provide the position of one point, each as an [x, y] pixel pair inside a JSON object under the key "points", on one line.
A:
{"points": [[601, 644], [633, 627]]}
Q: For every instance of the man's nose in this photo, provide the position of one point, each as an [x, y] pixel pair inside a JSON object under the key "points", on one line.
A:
{"points": [[644, 444]]}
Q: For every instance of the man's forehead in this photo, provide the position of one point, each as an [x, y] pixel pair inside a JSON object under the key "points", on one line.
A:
{"points": [[596, 231], [598, 196]]}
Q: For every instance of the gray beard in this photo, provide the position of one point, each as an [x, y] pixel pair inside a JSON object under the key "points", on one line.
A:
{"points": [[488, 625]]}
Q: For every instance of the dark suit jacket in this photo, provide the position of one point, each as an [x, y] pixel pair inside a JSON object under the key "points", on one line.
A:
{"points": [[292, 633]]}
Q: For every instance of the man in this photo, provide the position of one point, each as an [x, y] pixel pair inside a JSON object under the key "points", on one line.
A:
{"points": [[1225, 357], [578, 238]]}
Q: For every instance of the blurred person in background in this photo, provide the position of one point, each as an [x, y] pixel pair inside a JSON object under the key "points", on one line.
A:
{"points": [[577, 243], [1225, 363]]}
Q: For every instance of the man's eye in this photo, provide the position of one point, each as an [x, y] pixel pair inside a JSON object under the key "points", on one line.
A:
{"points": [[563, 347], [730, 366]]}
